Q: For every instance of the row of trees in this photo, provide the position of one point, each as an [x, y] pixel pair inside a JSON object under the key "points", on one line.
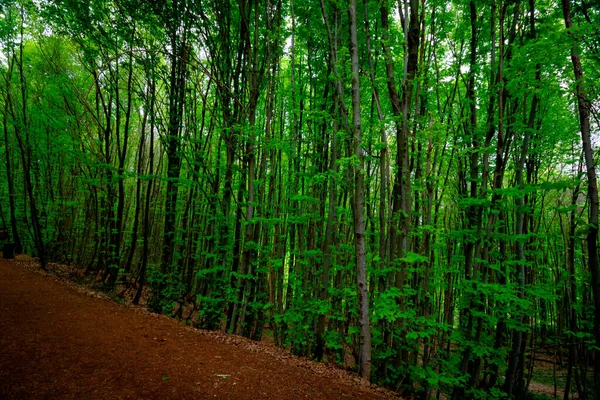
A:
{"points": [[411, 184]]}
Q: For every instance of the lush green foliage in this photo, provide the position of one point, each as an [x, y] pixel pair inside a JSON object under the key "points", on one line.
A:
{"points": [[208, 151]]}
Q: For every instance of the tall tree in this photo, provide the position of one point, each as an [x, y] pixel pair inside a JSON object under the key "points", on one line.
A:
{"points": [[583, 108], [359, 204]]}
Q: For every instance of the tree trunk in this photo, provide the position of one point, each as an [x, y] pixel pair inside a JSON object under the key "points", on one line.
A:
{"points": [[359, 204], [9, 175], [583, 106], [146, 227]]}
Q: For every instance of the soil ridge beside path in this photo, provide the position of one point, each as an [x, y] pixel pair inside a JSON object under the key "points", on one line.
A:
{"points": [[57, 342]]}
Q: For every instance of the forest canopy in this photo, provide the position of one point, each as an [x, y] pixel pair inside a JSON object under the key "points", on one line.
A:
{"points": [[404, 188]]}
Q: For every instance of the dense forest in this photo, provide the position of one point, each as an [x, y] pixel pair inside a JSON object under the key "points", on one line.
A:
{"points": [[410, 184]]}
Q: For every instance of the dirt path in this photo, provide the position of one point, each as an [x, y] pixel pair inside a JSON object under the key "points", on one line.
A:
{"points": [[57, 342]]}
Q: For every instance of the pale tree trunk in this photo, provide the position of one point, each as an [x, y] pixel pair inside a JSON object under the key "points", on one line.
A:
{"points": [[359, 204]]}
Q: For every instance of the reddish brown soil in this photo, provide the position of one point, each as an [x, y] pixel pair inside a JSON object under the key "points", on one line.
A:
{"points": [[58, 342]]}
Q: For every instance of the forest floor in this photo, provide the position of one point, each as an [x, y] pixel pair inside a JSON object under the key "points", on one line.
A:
{"points": [[62, 340], [59, 340]]}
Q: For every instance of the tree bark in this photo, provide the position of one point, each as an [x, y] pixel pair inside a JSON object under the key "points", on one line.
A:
{"points": [[359, 204], [583, 107], [9, 175]]}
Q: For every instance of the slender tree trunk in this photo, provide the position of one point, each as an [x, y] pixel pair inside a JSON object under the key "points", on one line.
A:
{"points": [[138, 195], [122, 156], [359, 204], [22, 133], [146, 225], [177, 85], [467, 320], [9, 175], [570, 261], [401, 197], [583, 106]]}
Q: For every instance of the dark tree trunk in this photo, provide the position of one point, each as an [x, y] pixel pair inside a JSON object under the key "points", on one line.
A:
{"points": [[583, 106], [9, 175]]}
